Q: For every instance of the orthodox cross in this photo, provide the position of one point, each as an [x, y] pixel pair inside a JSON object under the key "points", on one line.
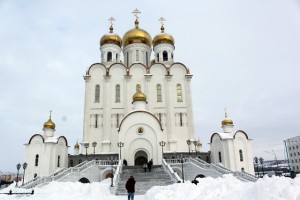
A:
{"points": [[50, 113], [225, 113], [111, 19], [136, 12], [162, 20]]}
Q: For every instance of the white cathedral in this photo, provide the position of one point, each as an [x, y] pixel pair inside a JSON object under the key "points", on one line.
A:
{"points": [[139, 102]]}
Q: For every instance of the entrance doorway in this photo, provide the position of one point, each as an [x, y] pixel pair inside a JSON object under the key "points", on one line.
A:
{"points": [[140, 158]]}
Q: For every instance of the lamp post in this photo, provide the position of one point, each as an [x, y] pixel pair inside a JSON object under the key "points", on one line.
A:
{"points": [[112, 171], [181, 160], [120, 145], [195, 143], [261, 160], [18, 168], [189, 143], [94, 144], [256, 161], [24, 167], [162, 144], [86, 145]]}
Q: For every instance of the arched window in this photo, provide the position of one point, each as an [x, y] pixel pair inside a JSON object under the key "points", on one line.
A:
{"points": [[116, 57], [165, 56], [118, 120], [157, 57], [146, 59], [158, 91], [137, 55], [138, 87], [180, 119], [109, 56], [179, 93], [220, 157], [241, 155], [96, 120], [58, 161], [37, 160], [97, 94], [117, 93], [71, 163]]}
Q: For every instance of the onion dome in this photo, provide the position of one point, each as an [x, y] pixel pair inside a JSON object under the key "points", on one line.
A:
{"points": [[111, 38], [139, 96], [76, 146], [163, 38], [49, 124], [227, 121], [136, 35]]}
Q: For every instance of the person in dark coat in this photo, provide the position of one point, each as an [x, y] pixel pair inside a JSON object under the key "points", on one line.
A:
{"points": [[130, 187], [125, 162], [150, 163]]}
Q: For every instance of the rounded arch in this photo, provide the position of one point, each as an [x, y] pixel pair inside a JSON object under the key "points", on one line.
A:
{"points": [[240, 131], [36, 135], [211, 138], [179, 64], [63, 138], [117, 65], [106, 173], [141, 111], [200, 176], [141, 156], [138, 64], [84, 180], [158, 65], [177, 170], [95, 65]]}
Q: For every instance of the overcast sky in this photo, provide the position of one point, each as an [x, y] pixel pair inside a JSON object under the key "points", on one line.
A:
{"points": [[244, 56]]}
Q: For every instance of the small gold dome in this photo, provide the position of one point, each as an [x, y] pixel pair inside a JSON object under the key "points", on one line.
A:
{"points": [[163, 38], [111, 38], [76, 146], [139, 96], [136, 35], [227, 121], [49, 124]]}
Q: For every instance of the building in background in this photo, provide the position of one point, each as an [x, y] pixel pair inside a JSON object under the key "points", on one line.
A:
{"points": [[293, 152]]}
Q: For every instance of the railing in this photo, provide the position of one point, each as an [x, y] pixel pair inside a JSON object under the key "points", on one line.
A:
{"points": [[116, 177], [63, 172], [174, 176]]}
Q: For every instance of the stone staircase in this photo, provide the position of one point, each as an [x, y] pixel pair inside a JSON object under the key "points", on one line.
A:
{"points": [[144, 180]]}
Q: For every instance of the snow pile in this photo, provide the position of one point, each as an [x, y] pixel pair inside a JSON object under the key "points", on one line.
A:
{"points": [[226, 188]]}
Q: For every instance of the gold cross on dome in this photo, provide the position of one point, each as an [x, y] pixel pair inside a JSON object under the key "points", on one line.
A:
{"points": [[136, 12], [111, 19], [225, 112], [162, 20], [50, 113]]}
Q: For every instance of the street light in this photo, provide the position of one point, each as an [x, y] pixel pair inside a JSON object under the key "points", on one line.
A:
{"points": [[24, 167], [86, 145], [189, 143], [195, 143], [256, 161], [261, 160], [181, 160], [18, 168], [94, 144], [112, 172], [120, 145], [162, 144]]}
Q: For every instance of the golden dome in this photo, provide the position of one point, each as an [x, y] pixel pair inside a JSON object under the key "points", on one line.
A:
{"points": [[227, 121], [163, 38], [76, 146], [136, 35], [49, 123], [111, 38], [139, 96]]}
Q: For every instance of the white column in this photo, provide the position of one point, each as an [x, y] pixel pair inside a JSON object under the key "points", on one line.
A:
{"points": [[189, 107]]}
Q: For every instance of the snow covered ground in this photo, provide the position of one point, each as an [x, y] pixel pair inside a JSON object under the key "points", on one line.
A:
{"points": [[226, 188]]}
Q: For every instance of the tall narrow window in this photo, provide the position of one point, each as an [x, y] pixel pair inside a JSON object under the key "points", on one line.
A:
{"points": [[117, 93], [180, 118], [165, 56], [37, 160], [71, 163], [146, 59], [157, 57], [96, 120], [109, 56], [159, 117], [179, 93], [118, 120], [116, 57], [97, 94], [158, 91], [127, 59], [137, 55], [58, 161], [220, 157], [138, 87], [241, 155]]}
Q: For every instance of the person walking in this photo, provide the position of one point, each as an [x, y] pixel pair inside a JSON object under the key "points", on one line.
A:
{"points": [[150, 163], [145, 166], [130, 187]]}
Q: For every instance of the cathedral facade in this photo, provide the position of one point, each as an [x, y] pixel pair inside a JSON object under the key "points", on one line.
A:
{"points": [[112, 87]]}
